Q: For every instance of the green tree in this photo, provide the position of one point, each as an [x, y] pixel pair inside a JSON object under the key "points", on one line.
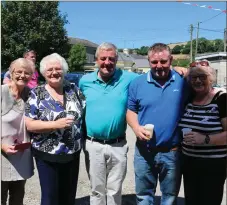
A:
{"points": [[181, 62], [177, 49], [32, 24], [77, 57], [218, 45], [186, 49], [143, 50]]}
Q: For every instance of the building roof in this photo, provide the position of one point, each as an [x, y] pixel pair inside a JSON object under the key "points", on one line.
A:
{"points": [[136, 56], [209, 55], [82, 41], [141, 63], [124, 57]]}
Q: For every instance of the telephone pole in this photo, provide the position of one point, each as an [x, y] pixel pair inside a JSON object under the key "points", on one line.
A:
{"points": [[197, 39], [225, 39], [191, 38]]}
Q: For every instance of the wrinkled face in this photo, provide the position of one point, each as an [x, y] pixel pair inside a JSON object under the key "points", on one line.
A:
{"points": [[199, 80], [160, 63], [31, 56], [54, 74], [21, 75], [106, 61]]}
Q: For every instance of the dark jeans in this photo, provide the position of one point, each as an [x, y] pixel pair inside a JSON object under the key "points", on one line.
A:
{"points": [[151, 166], [58, 181], [16, 192], [203, 180]]}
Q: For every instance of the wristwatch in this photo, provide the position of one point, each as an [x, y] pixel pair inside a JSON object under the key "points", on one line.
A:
{"points": [[207, 139]]}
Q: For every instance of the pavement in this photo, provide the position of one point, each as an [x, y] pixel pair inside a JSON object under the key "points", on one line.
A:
{"points": [[32, 195]]}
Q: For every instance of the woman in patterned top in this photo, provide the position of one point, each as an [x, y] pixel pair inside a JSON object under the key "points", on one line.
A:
{"points": [[54, 115], [204, 147]]}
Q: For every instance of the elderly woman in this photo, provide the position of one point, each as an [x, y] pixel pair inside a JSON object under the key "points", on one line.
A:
{"points": [[16, 161], [204, 146], [54, 115]]}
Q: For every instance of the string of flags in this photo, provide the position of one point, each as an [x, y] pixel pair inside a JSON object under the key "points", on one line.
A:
{"points": [[202, 6]]}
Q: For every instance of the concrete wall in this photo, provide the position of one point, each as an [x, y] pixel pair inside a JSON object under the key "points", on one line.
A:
{"points": [[220, 67]]}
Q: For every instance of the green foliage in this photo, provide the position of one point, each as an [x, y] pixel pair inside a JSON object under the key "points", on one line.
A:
{"points": [[177, 49], [77, 57], [204, 46], [143, 50], [181, 62], [32, 24]]}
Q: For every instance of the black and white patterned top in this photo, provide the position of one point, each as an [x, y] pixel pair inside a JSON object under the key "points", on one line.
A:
{"points": [[205, 119], [61, 144]]}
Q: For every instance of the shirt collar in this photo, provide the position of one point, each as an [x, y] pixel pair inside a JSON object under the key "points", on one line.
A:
{"points": [[150, 79], [115, 75]]}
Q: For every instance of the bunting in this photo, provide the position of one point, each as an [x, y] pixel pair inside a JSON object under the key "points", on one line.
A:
{"points": [[202, 6]]}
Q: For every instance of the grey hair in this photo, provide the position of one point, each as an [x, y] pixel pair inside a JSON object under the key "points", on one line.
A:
{"points": [[54, 57], [106, 46], [158, 47], [22, 62], [211, 73]]}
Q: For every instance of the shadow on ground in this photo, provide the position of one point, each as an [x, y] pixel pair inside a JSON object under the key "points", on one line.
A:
{"points": [[128, 199]]}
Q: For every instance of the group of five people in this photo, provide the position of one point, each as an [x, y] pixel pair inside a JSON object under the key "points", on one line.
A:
{"points": [[61, 119]]}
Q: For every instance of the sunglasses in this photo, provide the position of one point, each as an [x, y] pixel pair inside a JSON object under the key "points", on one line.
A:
{"points": [[201, 77], [202, 63]]}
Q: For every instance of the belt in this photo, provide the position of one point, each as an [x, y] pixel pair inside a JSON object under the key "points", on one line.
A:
{"points": [[158, 149], [109, 141]]}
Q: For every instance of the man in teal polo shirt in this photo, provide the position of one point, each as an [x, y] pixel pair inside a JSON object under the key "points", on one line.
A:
{"points": [[106, 148]]}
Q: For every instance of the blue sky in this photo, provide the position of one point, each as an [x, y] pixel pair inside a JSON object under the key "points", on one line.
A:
{"points": [[136, 24]]}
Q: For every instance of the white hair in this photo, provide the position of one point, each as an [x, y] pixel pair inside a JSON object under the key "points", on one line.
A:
{"points": [[54, 57], [22, 62], [106, 46]]}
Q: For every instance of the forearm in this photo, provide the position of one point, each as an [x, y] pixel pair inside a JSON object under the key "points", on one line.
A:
{"points": [[132, 119], [219, 139], [39, 126]]}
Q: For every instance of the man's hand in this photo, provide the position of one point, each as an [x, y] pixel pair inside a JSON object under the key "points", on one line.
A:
{"points": [[141, 133], [181, 70], [8, 149]]}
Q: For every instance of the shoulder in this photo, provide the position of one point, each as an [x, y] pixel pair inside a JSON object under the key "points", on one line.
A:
{"points": [[129, 75], [139, 79], [87, 78]]}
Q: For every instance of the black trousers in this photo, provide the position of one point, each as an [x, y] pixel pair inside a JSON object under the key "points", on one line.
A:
{"points": [[15, 190], [58, 181], [203, 180]]}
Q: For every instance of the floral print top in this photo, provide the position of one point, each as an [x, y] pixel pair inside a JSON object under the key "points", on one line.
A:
{"points": [[41, 106]]}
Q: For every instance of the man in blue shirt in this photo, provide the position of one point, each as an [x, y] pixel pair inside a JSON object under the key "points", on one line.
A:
{"points": [[106, 92], [157, 98]]}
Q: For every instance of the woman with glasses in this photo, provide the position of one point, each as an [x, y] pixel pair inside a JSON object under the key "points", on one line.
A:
{"points": [[204, 144], [16, 161], [54, 114]]}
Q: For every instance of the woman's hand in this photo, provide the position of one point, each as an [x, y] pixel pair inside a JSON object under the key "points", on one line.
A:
{"points": [[63, 123], [8, 149], [194, 138]]}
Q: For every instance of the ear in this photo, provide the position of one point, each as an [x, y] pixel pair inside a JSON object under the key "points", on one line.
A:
{"points": [[171, 59]]}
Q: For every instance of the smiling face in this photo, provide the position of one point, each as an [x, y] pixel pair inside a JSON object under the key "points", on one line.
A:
{"points": [[21, 74], [199, 79], [54, 74], [30, 56], [160, 63], [106, 61]]}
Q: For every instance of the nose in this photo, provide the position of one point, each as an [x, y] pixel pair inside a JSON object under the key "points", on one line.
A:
{"points": [[107, 61], [197, 79], [22, 75], [159, 65]]}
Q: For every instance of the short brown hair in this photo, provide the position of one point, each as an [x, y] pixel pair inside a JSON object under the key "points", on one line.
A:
{"points": [[157, 47], [28, 51]]}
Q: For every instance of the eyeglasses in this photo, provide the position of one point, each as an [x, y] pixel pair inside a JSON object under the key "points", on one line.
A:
{"points": [[201, 77], [19, 73], [161, 61], [112, 59], [202, 63], [51, 70]]}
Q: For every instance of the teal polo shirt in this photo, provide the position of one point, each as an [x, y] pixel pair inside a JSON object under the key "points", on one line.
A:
{"points": [[106, 103]]}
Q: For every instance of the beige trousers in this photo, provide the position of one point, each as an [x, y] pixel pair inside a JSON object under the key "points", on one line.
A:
{"points": [[106, 166]]}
